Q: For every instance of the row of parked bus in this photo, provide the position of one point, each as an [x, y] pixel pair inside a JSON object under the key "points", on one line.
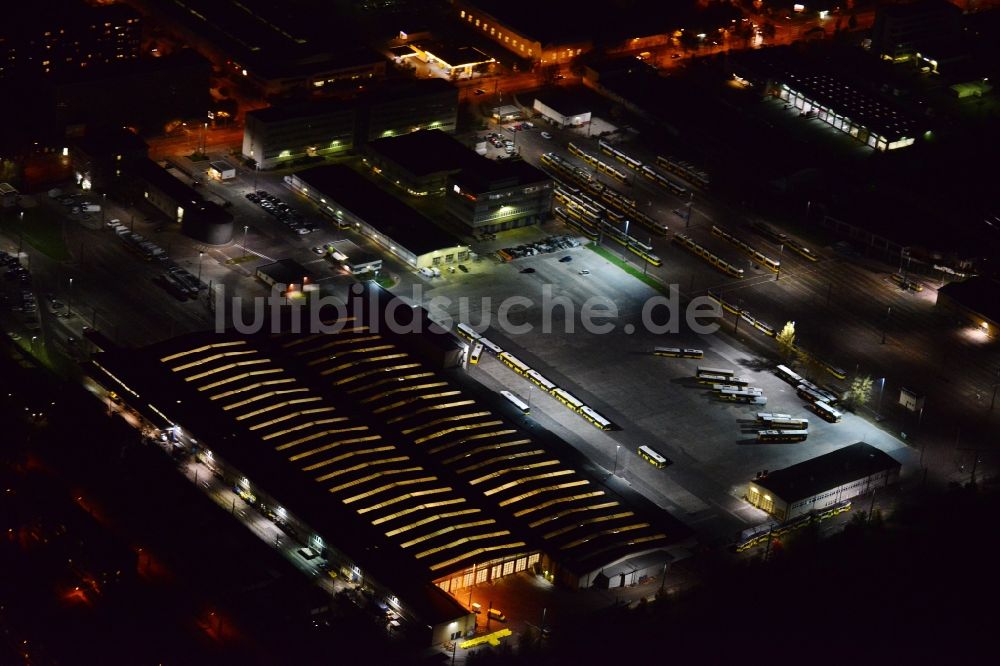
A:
{"points": [[671, 186], [745, 315], [718, 262], [678, 352], [614, 204], [587, 219], [781, 428], [685, 170], [597, 163], [522, 368], [726, 386], [784, 240], [817, 398], [757, 255], [760, 534], [611, 151]]}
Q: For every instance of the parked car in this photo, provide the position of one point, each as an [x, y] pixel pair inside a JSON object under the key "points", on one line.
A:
{"points": [[529, 269], [565, 259], [585, 272]]}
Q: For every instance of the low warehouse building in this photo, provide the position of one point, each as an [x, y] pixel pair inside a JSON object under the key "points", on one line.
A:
{"points": [[562, 108], [202, 220], [355, 201], [823, 481]]}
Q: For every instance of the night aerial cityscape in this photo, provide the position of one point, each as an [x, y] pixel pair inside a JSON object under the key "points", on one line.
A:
{"points": [[482, 332]]}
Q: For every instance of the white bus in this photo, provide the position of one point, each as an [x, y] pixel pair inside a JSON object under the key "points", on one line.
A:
{"points": [[492, 346], [788, 375], [676, 352], [766, 417], [782, 435], [476, 352], [715, 371], [517, 402]]}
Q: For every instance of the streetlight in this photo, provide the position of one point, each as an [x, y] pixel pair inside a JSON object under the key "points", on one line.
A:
{"points": [[69, 303], [200, 255], [617, 447], [881, 390], [246, 228], [625, 247], [781, 253]]}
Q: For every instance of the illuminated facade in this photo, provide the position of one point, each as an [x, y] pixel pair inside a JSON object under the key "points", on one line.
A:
{"points": [[823, 481], [518, 41]]}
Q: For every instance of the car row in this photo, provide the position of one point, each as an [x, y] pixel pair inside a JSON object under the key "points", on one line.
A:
{"points": [[282, 212], [545, 246]]}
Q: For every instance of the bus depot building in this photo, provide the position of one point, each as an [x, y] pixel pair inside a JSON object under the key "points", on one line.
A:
{"points": [[408, 478], [820, 482], [354, 201]]}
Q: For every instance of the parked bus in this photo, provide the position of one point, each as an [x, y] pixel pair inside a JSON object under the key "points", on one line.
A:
{"points": [[493, 347], [467, 332], [568, 399], [514, 363], [722, 380], [826, 412], [767, 417], [788, 375], [676, 352], [541, 381], [595, 419], [517, 402], [702, 370], [476, 352], [788, 424], [782, 435], [653, 457]]}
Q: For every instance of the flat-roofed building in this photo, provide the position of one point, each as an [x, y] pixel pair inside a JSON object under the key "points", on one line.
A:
{"points": [[202, 220], [823, 481], [408, 479], [562, 108], [457, 62], [975, 301], [101, 158], [833, 97], [926, 27], [354, 201], [482, 194], [280, 134]]}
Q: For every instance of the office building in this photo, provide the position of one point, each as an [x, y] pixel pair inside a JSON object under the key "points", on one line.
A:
{"points": [[483, 195]]}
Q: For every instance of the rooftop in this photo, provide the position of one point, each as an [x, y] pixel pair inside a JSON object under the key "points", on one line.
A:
{"points": [[285, 271], [415, 473], [828, 471], [455, 56], [378, 208], [979, 294], [563, 101]]}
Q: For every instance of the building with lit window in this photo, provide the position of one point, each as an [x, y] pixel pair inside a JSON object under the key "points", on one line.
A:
{"points": [[823, 481], [102, 158], [457, 62], [405, 476], [202, 220], [280, 134], [833, 97], [523, 32], [482, 194], [354, 201], [65, 36], [925, 30]]}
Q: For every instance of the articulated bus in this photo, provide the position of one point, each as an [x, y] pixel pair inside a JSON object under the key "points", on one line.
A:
{"points": [[517, 402], [476, 352], [746, 390], [788, 375], [767, 417], [702, 370], [808, 394], [834, 370], [568, 399], [467, 332], [788, 424], [723, 380], [826, 412], [595, 419], [782, 435], [653, 457], [492, 346], [514, 363], [676, 352], [747, 395], [541, 381]]}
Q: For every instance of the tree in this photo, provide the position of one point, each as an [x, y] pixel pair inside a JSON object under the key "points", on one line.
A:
{"points": [[860, 392], [786, 340]]}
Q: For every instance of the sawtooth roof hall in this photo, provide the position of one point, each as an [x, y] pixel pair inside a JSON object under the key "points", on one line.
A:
{"points": [[415, 477]]}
